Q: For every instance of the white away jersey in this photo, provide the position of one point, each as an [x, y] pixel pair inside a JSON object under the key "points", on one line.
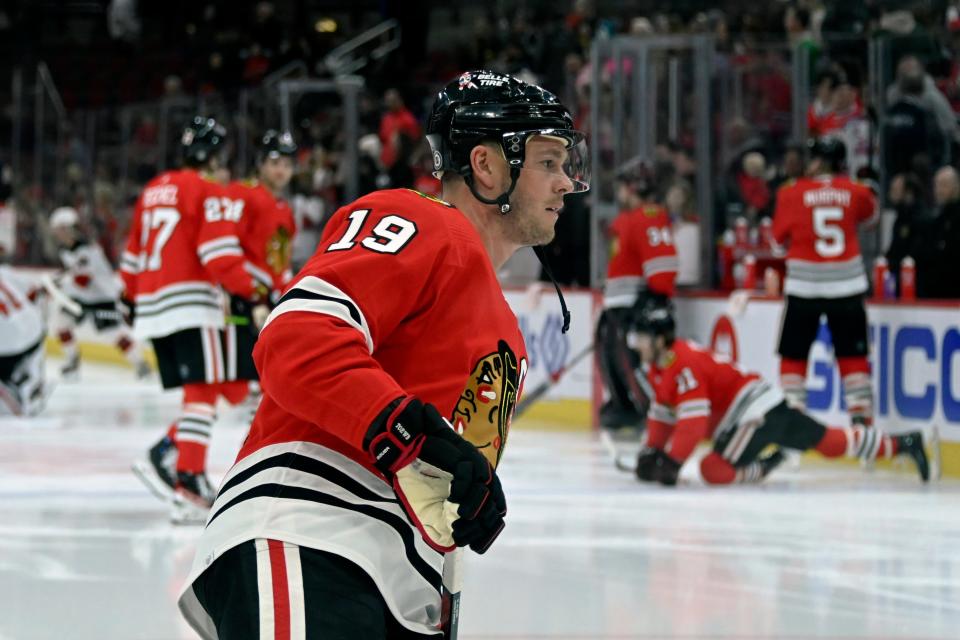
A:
{"points": [[90, 278], [21, 325]]}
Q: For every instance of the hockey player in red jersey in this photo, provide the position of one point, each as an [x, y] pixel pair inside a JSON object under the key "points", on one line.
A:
{"points": [[266, 225], [183, 246], [817, 216], [643, 261], [390, 371], [700, 395]]}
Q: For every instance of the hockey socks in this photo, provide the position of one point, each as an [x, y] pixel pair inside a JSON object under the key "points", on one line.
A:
{"points": [[793, 381]]}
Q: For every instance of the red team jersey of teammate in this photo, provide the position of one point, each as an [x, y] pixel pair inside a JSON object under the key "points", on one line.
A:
{"points": [[698, 395], [183, 242], [643, 255], [266, 233], [818, 218], [353, 332]]}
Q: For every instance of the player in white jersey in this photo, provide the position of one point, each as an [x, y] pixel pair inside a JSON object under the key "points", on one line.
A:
{"points": [[22, 388], [91, 282]]}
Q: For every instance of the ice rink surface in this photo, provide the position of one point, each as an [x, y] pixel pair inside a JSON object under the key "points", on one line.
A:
{"points": [[817, 551]]}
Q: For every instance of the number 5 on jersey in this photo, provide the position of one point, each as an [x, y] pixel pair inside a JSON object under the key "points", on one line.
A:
{"points": [[389, 235]]}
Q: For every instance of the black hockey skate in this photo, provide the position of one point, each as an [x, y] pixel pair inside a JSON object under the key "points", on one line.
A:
{"points": [[911, 444], [70, 371], [158, 469], [771, 461], [192, 499]]}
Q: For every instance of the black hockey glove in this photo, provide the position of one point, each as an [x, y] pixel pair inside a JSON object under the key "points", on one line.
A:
{"points": [[127, 309], [449, 490], [654, 465]]}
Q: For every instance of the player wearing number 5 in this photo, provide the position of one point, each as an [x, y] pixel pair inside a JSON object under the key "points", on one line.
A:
{"points": [[183, 247], [818, 216]]}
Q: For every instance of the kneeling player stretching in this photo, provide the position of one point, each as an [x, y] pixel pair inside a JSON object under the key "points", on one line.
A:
{"points": [[701, 395]]}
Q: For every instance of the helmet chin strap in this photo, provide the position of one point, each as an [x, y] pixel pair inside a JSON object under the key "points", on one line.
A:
{"points": [[541, 256], [503, 200]]}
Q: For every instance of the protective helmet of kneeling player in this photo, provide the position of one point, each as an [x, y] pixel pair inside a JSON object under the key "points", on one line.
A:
{"points": [[276, 144], [202, 140], [485, 106], [830, 151], [654, 325]]}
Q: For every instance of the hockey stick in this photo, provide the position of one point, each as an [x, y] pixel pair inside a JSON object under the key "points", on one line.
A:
{"points": [[534, 395], [57, 294], [452, 582]]}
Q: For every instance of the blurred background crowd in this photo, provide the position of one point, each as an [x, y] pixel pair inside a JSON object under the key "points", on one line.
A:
{"points": [[95, 94]]}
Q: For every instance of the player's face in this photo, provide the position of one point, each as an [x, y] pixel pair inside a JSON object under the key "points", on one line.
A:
{"points": [[276, 172], [63, 235], [643, 341], [536, 202]]}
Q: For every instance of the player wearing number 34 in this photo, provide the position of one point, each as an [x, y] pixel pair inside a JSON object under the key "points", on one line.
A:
{"points": [[390, 371], [817, 216]]}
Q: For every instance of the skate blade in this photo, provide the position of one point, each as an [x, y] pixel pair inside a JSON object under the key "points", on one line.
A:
{"points": [[621, 459], [148, 476], [185, 512]]}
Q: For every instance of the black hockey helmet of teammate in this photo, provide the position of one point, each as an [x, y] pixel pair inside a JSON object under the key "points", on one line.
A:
{"points": [[480, 106], [202, 139], [653, 314], [830, 150], [275, 144], [637, 173]]}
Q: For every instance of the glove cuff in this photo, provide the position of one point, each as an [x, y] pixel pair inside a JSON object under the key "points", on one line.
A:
{"points": [[394, 439]]}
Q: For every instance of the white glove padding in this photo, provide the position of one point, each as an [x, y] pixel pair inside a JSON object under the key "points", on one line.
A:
{"points": [[424, 489], [259, 315]]}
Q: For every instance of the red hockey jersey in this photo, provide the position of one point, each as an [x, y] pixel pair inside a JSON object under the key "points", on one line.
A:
{"points": [[400, 298], [266, 233], [818, 218], [642, 255], [698, 394], [183, 242]]}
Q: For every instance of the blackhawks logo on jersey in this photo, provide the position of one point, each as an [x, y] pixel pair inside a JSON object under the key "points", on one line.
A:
{"points": [[485, 408], [279, 250]]}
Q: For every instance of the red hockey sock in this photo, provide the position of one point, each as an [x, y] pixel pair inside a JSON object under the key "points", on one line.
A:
{"points": [[194, 426], [235, 391], [857, 389], [124, 343], [793, 381], [66, 337], [856, 442]]}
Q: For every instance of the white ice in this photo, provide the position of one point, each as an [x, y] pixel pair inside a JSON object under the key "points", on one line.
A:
{"points": [[821, 551]]}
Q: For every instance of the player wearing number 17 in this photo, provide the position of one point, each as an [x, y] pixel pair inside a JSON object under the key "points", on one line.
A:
{"points": [[817, 216], [183, 247]]}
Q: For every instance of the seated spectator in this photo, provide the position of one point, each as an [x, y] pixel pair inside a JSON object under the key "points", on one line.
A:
{"points": [[942, 245], [906, 197], [752, 185], [396, 120], [821, 109]]}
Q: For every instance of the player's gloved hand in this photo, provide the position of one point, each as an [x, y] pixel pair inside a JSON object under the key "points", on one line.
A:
{"points": [[647, 463], [449, 490], [654, 465], [128, 309]]}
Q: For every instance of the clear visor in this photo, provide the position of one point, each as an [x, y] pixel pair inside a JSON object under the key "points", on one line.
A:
{"points": [[569, 158]]}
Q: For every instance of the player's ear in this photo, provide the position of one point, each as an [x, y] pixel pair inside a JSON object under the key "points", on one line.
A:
{"points": [[483, 161]]}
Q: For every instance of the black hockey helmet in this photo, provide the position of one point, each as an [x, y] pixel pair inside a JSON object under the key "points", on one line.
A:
{"points": [[274, 144], [638, 174], [480, 106], [653, 314], [830, 150], [202, 139]]}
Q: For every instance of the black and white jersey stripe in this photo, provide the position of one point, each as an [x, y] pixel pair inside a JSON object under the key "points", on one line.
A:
{"points": [[808, 279], [314, 295], [218, 248], [179, 306], [307, 494]]}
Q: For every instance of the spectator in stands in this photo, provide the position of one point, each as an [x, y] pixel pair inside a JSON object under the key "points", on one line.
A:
{"points": [[396, 120], [906, 197], [820, 110], [752, 185], [913, 141], [909, 70], [943, 239], [791, 166]]}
